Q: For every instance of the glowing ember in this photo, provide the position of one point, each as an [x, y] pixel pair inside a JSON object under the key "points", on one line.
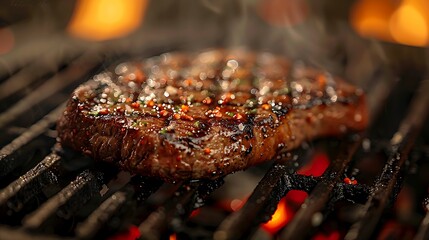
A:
{"points": [[316, 167], [350, 181], [132, 234], [173, 237], [335, 235], [195, 212], [106, 19], [296, 197], [280, 218]]}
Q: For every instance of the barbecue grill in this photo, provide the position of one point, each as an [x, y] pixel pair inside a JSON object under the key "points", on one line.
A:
{"points": [[47, 192]]}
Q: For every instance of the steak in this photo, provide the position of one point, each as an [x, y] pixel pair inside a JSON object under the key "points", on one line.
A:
{"points": [[203, 115]]}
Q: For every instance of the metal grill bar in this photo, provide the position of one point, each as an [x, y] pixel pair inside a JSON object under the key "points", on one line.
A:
{"points": [[423, 232], [391, 177], [101, 215], [25, 187], [7, 161], [268, 192], [30, 74], [77, 70], [157, 222], [321, 194], [177, 208], [81, 190]]}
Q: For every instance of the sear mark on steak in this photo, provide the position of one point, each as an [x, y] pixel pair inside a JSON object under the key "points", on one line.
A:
{"points": [[203, 115]]}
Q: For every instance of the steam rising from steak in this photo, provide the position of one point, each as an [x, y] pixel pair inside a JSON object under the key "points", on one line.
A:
{"points": [[203, 115]]}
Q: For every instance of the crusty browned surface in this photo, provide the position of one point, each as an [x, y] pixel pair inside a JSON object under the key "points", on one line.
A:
{"points": [[189, 116]]}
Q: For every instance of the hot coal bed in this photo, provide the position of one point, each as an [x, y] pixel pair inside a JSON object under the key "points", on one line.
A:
{"points": [[362, 186]]}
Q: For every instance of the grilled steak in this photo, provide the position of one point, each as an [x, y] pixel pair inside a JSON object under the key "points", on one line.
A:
{"points": [[189, 116]]}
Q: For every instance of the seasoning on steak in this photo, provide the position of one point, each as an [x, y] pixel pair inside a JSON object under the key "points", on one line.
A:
{"points": [[189, 116]]}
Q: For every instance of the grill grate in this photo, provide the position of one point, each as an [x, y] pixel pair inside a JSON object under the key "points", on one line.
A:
{"points": [[391, 178], [97, 202]]}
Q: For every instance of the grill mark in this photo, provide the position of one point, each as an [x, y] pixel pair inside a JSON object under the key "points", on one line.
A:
{"points": [[249, 126]]}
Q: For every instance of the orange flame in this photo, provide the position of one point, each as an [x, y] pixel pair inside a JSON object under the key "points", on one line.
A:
{"points": [[405, 22], [106, 19], [409, 24]]}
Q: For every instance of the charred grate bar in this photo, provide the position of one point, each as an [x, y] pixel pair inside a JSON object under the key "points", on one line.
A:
{"points": [[388, 184], [326, 190], [64, 203], [423, 232], [173, 212], [24, 188], [75, 71], [8, 160], [101, 215]]}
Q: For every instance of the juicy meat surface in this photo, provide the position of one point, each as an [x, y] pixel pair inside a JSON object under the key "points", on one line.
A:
{"points": [[203, 115]]}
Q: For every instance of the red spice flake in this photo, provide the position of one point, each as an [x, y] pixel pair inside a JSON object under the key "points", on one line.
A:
{"points": [[163, 113], [266, 106], [214, 113], [179, 157], [80, 107], [120, 110], [187, 117], [321, 79], [185, 108], [238, 116], [128, 100], [103, 111], [207, 100], [188, 82], [135, 105], [227, 97], [207, 150], [350, 181], [176, 116], [150, 103]]}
